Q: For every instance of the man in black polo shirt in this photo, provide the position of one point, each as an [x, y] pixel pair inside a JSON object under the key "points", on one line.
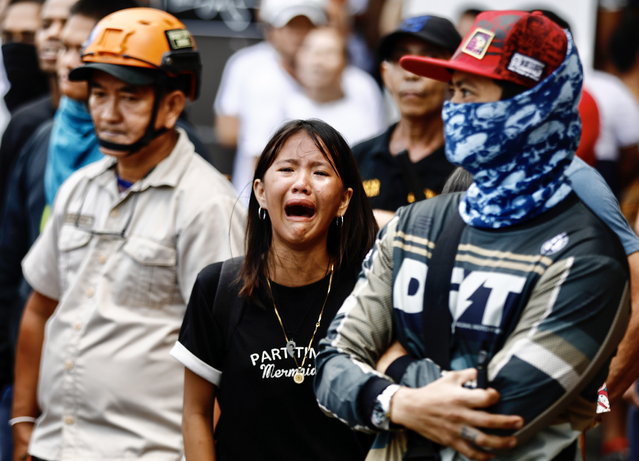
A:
{"points": [[407, 162]]}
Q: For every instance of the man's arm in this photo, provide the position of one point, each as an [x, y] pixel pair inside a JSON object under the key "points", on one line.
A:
{"points": [[228, 101], [226, 130], [559, 333], [359, 333], [624, 369], [31, 337], [595, 193]]}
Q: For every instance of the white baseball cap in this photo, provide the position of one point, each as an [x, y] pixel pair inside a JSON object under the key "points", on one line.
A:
{"points": [[278, 13]]}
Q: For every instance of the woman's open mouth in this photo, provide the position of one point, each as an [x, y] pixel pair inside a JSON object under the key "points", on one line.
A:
{"points": [[299, 210]]}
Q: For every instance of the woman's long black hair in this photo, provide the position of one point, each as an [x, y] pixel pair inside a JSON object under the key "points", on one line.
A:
{"points": [[347, 244]]}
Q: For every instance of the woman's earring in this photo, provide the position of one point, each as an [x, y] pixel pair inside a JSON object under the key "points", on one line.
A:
{"points": [[261, 213], [339, 221]]}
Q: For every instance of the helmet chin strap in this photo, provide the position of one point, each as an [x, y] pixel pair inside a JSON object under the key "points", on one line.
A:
{"points": [[149, 135], [136, 146]]}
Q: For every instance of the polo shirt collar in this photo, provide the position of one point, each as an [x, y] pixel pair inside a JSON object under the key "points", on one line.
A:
{"points": [[383, 144]]}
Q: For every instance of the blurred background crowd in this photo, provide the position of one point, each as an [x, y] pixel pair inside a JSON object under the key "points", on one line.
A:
{"points": [[269, 62]]}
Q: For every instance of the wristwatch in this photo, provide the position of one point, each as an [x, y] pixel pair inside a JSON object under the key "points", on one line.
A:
{"points": [[381, 408]]}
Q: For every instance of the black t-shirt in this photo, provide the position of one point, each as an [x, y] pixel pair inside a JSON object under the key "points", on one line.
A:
{"points": [[265, 415], [384, 179]]}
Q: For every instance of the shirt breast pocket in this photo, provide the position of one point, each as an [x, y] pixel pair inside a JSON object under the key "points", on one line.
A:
{"points": [[148, 276], [72, 244]]}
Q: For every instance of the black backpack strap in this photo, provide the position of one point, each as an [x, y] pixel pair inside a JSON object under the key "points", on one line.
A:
{"points": [[437, 320], [227, 305]]}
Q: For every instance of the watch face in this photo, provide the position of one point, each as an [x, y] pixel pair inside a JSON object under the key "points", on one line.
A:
{"points": [[379, 417]]}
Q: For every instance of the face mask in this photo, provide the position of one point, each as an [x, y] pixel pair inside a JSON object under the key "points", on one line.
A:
{"points": [[27, 81], [517, 149], [72, 145]]}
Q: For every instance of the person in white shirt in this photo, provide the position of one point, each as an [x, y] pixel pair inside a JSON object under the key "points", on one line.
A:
{"points": [[116, 263], [333, 91], [258, 81]]}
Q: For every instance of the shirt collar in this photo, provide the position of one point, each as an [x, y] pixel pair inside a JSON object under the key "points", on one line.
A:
{"points": [[383, 143]]}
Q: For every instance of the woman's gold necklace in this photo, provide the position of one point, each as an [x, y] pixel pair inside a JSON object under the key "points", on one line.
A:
{"points": [[298, 377]]}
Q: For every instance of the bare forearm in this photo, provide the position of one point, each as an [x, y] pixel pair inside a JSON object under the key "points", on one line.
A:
{"points": [[226, 130], [197, 418], [28, 353], [198, 438], [624, 368]]}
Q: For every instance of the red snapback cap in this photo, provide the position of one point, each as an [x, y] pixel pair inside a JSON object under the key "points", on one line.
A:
{"points": [[521, 47]]}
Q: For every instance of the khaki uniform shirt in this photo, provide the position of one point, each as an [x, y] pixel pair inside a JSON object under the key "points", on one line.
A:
{"points": [[122, 266]]}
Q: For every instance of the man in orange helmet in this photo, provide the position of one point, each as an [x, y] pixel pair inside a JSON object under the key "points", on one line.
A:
{"points": [[114, 267]]}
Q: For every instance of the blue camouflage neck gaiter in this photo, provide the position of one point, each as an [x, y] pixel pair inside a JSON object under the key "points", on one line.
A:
{"points": [[517, 149]]}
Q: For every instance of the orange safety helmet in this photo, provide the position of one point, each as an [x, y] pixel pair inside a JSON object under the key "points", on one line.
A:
{"points": [[142, 38]]}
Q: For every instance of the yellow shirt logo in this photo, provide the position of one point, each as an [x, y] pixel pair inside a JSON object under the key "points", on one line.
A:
{"points": [[428, 193], [372, 187]]}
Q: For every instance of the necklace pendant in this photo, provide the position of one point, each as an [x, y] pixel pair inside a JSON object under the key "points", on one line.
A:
{"points": [[298, 377], [290, 348]]}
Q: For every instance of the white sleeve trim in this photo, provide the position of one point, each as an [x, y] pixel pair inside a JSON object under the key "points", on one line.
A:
{"points": [[195, 364]]}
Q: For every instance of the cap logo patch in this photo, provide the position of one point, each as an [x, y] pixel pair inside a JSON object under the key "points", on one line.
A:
{"points": [[414, 24], [179, 39], [477, 44], [526, 66]]}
